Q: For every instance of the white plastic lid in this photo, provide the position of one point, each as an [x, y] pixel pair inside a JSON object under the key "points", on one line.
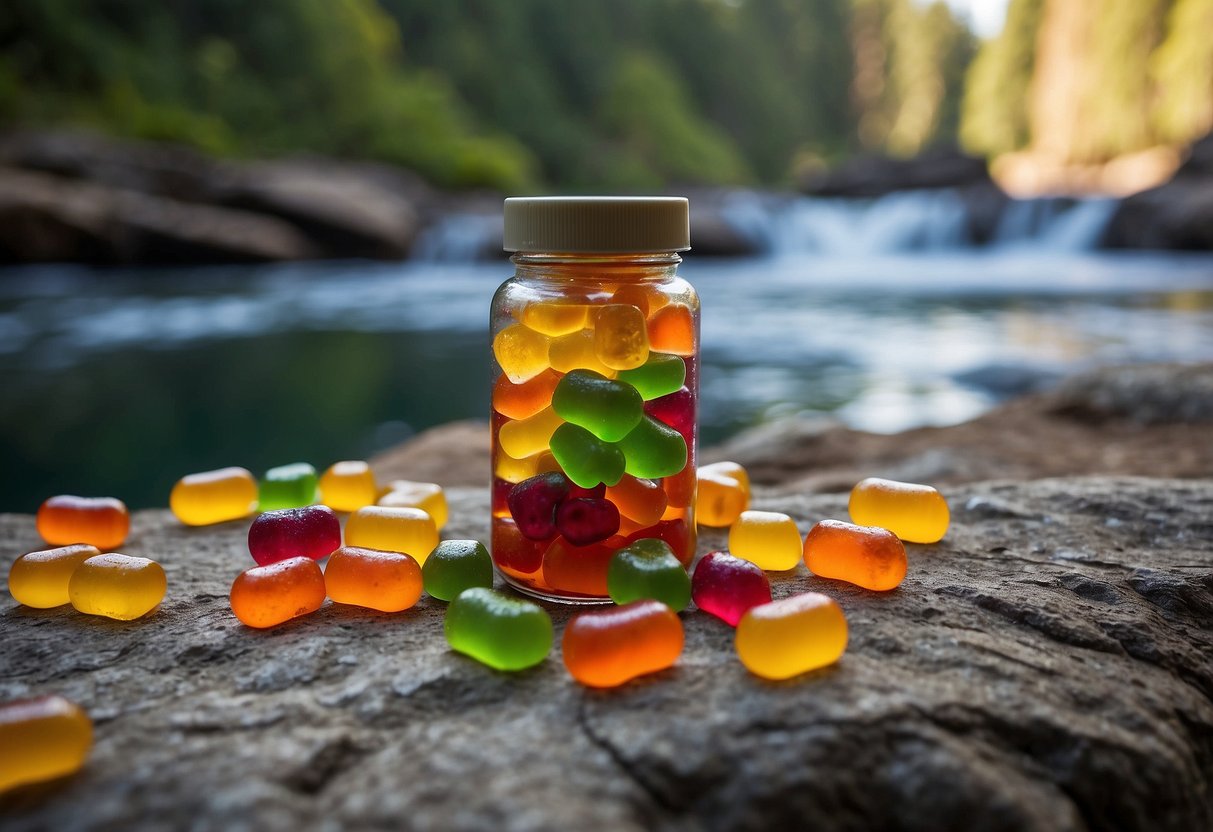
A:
{"points": [[597, 224]]}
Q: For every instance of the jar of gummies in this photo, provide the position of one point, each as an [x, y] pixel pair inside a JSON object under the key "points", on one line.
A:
{"points": [[595, 388]]}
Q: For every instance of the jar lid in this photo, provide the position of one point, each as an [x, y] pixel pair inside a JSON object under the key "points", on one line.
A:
{"points": [[597, 224]]}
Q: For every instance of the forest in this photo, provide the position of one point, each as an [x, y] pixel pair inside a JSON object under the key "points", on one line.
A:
{"points": [[611, 94]]}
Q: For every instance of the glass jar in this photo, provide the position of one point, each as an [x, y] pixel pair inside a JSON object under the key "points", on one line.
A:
{"points": [[595, 390]]}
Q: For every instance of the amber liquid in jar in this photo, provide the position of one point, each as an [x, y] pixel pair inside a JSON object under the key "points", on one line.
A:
{"points": [[581, 343]]}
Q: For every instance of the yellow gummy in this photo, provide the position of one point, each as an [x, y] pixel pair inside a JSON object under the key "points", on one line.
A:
{"points": [[427, 496], [39, 579], [517, 470], [915, 513], [720, 499], [791, 636], [521, 438], [732, 470], [577, 352], [214, 496], [407, 530], [117, 586], [41, 739], [521, 351], [348, 486], [555, 317], [768, 539], [620, 337]]}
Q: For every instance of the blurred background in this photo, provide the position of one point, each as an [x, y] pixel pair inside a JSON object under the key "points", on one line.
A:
{"points": [[241, 233]]}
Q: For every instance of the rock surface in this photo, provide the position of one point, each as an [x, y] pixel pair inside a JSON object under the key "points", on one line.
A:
{"points": [[874, 175], [1176, 215], [1048, 666]]}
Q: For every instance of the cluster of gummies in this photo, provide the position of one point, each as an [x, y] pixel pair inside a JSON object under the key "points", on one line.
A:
{"points": [[594, 421]]}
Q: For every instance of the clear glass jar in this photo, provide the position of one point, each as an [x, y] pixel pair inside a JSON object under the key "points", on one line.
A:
{"points": [[595, 391]]}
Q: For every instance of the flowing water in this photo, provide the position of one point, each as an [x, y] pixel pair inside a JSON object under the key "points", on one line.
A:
{"points": [[875, 313]]}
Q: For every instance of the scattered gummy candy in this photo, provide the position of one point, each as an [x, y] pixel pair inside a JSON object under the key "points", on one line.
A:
{"points": [[268, 595], [503, 632], [287, 486], [309, 532], [456, 565], [866, 556], [728, 587], [648, 569], [377, 580], [767, 538], [100, 521], [40, 579], [607, 648], [785, 638], [117, 586], [214, 496], [915, 513], [41, 739]]}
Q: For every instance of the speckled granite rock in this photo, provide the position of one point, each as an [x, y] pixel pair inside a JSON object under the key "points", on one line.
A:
{"points": [[1048, 666]]}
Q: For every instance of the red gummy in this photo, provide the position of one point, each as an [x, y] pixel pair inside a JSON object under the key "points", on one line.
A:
{"points": [[595, 493], [533, 503], [677, 533], [501, 496], [514, 552], [728, 587], [583, 521], [677, 410], [309, 532]]}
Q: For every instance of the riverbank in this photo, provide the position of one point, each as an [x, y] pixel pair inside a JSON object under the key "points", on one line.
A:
{"points": [[79, 197]]}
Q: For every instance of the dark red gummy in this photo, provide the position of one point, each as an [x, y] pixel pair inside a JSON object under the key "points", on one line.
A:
{"points": [[727, 586], [501, 495], [595, 493], [677, 533], [309, 532], [583, 521], [513, 551], [676, 410], [533, 504]]}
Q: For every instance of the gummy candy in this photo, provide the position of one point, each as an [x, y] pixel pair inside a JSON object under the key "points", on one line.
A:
{"points": [[427, 496], [727, 587], [555, 317], [348, 486], [583, 521], [457, 565], [608, 409], [607, 648], [676, 532], [117, 586], [579, 570], [518, 401], [577, 351], [648, 569], [513, 552], [39, 579], [672, 329], [659, 376], [214, 496], [680, 488], [791, 636], [525, 437], [640, 500], [307, 532], [732, 470], [521, 352], [100, 521], [867, 556], [408, 530], [287, 486], [42, 739], [377, 580], [720, 499], [767, 538], [502, 632], [265, 596], [620, 339], [645, 298], [652, 449], [533, 504], [915, 513], [676, 409], [586, 459]]}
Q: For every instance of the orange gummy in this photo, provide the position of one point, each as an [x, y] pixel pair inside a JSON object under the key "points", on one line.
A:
{"points": [[732, 470], [672, 329], [645, 298], [866, 556], [268, 595], [639, 500], [518, 401], [581, 570], [384, 581], [607, 648], [99, 521], [680, 488], [721, 499]]}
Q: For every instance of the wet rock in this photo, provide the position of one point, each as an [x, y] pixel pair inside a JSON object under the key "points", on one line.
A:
{"points": [[1039, 669], [1175, 215], [873, 175]]}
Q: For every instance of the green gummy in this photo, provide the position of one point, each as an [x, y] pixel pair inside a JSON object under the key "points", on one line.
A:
{"points": [[456, 565], [648, 569], [661, 375], [586, 459], [608, 409], [653, 450], [503, 632], [287, 486]]}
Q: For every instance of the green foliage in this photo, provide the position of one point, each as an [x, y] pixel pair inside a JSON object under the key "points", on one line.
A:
{"points": [[1182, 69], [994, 115]]}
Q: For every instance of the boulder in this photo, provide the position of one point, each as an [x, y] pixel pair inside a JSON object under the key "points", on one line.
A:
{"points": [[869, 175], [1045, 667], [1176, 215]]}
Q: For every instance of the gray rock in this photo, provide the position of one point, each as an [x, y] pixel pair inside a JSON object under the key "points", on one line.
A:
{"points": [[1042, 668], [1176, 215], [875, 175]]}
